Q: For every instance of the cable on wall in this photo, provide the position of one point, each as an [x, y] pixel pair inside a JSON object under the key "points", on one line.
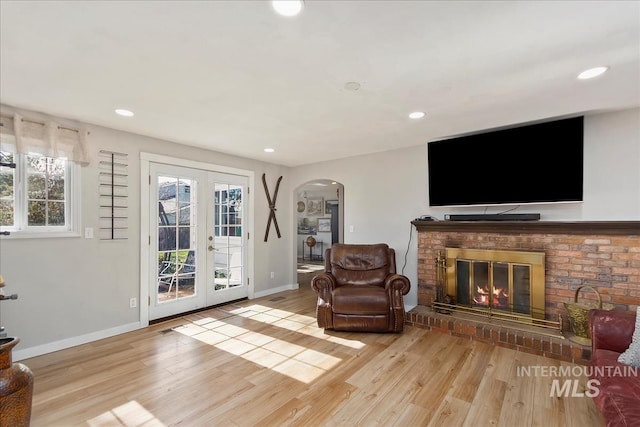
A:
{"points": [[407, 251]]}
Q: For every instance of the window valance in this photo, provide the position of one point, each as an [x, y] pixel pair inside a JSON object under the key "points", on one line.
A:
{"points": [[47, 138]]}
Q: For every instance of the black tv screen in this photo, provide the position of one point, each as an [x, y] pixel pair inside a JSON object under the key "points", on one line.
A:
{"points": [[540, 163]]}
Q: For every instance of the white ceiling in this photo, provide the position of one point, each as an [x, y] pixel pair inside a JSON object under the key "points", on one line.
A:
{"points": [[235, 77]]}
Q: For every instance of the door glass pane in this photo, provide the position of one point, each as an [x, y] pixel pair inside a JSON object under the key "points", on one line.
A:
{"points": [[228, 241], [176, 238], [185, 234]]}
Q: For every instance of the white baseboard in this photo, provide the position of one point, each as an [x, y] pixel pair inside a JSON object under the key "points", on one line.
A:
{"points": [[275, 290], [72, 342], [38, 350]]}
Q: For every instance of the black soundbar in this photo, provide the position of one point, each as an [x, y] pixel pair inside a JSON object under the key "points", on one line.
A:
{"points": [[494, 217]]}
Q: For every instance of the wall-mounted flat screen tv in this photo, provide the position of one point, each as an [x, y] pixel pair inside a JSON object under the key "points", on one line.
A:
{"points": [[539, 163]]}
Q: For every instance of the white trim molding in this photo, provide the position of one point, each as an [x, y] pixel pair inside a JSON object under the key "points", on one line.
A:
{"points": [[39, 350], [276, 290]]}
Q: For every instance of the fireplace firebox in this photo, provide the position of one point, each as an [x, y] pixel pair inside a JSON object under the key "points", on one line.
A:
{"points": [[500, 283]]}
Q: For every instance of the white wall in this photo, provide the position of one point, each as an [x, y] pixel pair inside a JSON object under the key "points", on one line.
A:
{"points": [[383, 192], [75, 289], [612, 165]]}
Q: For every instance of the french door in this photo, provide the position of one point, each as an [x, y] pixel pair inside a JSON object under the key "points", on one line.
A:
{"points": [[197, 238]]}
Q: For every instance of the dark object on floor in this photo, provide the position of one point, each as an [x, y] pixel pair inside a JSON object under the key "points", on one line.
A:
{"points": [[360, 290], [16, 387]]}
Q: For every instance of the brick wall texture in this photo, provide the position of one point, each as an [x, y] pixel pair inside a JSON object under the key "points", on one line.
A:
{"points": [[608, 263]]}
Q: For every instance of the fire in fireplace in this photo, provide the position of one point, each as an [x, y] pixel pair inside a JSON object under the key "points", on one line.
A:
{"points": [[494, 297], [502, 283]]}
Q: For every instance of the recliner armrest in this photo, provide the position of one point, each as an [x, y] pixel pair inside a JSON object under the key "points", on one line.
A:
{"points": [[398, 282], [323, 282], [611, 330]]}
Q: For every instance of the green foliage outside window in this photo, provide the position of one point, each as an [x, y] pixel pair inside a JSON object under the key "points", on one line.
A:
{"points": [[45, 191], [6, 192]]}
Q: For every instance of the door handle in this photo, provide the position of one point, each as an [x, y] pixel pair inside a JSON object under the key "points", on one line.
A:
{"points": [[210, 248]]}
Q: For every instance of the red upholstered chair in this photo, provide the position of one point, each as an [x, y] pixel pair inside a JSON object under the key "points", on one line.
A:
{"points": [[618, 398], [360, 290]]}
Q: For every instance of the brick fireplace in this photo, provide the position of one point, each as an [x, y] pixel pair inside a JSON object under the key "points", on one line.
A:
{"points": [[604, 255]]}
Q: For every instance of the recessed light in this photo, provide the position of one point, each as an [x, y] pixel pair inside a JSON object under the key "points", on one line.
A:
{"points": [[124, 113], [592, 72], [269, 150], [416, 115], [287, 7]]}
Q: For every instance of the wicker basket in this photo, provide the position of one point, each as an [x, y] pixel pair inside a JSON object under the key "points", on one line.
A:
{"points": [[578, 313]]}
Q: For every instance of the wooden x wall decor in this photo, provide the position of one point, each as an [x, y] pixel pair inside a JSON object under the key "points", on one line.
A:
{"points": [[272, 206]]}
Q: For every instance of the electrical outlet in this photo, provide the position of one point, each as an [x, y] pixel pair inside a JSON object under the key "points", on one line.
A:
{"points": [[88, 233], [351, 229], [273, 275], [133, 302]]}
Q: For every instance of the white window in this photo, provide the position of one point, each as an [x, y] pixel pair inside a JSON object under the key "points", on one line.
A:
{"points": [[37, 195], [39, 177]]}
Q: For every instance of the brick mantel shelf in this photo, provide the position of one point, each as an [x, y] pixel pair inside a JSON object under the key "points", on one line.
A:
{"points": [[545, 227]]}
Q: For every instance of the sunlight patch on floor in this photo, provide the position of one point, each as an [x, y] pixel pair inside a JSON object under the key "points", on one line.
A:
{"points": [[235, 346], [204, 321], [295, 361], [129, 414], [298, 370], [288, 320], [346, 342], [240, 310], [265, 358], [189, 329], [292, 360], [261, 317], [256, 338], [309, 268], [210, 337]]}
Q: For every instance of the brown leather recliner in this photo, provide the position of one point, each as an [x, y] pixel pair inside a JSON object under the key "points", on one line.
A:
{"points": [[360, 290]]}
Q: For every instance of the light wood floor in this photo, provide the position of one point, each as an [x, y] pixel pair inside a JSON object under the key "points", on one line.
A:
{"points": [[265, 362]]}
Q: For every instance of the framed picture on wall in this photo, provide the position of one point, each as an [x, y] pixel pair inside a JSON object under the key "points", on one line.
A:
{"points": [[314, 207], [324, 225], [307, 226]]}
